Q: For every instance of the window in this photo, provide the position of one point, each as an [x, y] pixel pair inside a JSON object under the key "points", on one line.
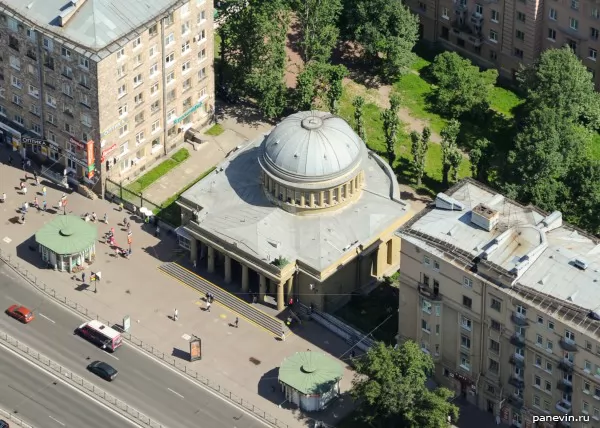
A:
{"points": [[139, 118], [595, 13], [139, 137], [124, 148], [520, 352], [494, 346], [436, 265], [84, 62], [494, 367], [33, 91], [587, 366], [51, 118], [426, 306], [186, 67], [426, 260], [156, 143], [466, 323], [537, 381], [569, 336], [201, 17], [65, 53], [588, 345], [520, 331], [48, 44], [122, 110], [437, 329], [592, 54], [154, 69], [585, 407], [19, 119], [171, 95], [495, 16], [573, 24], [201, 37], [84, 80], [521, 16], [185, 28], [496, 304], [553, 14], [152, 51], [86, 119], [548, 367], [550, 325], [36, 128], [17, 99], [495, 325], [425, 326], [479, 9], [123, 130], [34, 109], [187, 84], [465, 362], [465, 342], [121, 71], [68, 109], [549, 346], [121, 54], [169, 39], [154, 88], [538, 360], [548, 386], [202, 74], [575, 4], [155, 125], [137, 80], [467, 301], [172, 132], [67, 90], [586, 387], [170, 77], [122, 90], [493, 36], [171, 115], [16, 82], [437, 310], [153, 31], [68, 128], [137, 43], [170, 59], [520, 35], [14, 62], [521, 312], [155, 106], [67, 71], [202, 55], [445, 14], [139, 98], [539, 340], [185, 48], [551, 34], [137, 60]]}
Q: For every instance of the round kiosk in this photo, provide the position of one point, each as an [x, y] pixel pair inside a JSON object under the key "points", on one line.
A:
{"points": [[310, 380], [67, 242]]}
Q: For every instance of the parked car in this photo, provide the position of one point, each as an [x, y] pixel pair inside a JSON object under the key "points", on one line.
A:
{"points": [[104, 370], [4, 424], [22, 314]]}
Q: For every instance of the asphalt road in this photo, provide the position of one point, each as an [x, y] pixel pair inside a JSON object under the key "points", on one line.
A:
{"points": [[46, 402], [143, 383]]}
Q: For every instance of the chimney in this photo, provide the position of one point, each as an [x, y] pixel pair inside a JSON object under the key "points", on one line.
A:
{"points": [[67, 13]]}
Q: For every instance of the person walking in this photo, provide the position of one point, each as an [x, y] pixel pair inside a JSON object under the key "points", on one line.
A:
{"points": [[25, 190], [35, 177], [157, 233], [176, 315], [194, 264], [44, 191], [10, 160], [36, 203], [83, 277], [105, 218], [37, 181], [208, 306], [44, 206], [237, 321], [121, 207], [22, 185], [23, 219], [3, 197]]}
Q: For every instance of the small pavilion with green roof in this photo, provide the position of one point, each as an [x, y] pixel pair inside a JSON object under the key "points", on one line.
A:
{"points": [[67, 242], [310, 380]]}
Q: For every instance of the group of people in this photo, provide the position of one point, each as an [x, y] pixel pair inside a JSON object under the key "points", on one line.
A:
{"points": [[94, 218]]}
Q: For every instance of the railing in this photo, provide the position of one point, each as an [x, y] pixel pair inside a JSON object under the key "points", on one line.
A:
{"points": [[79, 382], [146, 347], [14, 421]]}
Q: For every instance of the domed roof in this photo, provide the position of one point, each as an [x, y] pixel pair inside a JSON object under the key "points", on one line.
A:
{"points": [[312, 146]]}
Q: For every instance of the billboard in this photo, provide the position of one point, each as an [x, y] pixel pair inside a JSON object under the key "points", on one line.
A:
{"points": [[195, 349]]}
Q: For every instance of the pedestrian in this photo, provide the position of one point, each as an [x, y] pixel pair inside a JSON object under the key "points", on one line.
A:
{"points": [[23, 219], [24, 190], [194, 263], [36, 203], [121, 208], [44, 205], [208, 306], [94, 217], [35, 177], [157, 233], [44, 191], [176, 315], [28, 163], [82, 276], [3, 197], [10, 160], [237, 321], [105, 218], [22, 185]]}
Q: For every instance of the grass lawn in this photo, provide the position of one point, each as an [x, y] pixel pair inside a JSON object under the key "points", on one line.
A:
{"points": [[155, 173], [414, 92], [216, 129]]}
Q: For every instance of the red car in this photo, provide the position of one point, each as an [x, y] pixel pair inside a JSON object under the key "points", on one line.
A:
{"points": [[20, 313]]}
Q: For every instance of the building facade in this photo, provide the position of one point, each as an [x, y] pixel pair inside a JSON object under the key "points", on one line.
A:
{"points": [[304, 212], [505, 33], [104, 91], [516, 292]]}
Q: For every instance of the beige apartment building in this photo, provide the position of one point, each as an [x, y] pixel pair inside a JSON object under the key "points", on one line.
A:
{"points": [[505, 33], [505, 299], [97, 89]]}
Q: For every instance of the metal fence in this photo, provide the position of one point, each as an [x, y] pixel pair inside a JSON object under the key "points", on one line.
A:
{"points": [[117, 191], [14, 421], [146, 347], [79, 382]]}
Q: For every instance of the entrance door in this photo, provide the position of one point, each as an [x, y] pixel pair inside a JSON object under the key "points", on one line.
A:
{"points": [[490, 406]]}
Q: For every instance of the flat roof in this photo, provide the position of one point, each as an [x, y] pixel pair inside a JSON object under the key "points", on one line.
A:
{"points": [[235, 209], [549, 253], [97, 23]]}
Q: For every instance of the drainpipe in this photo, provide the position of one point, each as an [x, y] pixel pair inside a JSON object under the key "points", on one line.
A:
{"points": [[164, 84], [482, 336]]}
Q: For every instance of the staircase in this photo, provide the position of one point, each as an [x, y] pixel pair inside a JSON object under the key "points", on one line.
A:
{"points": [[248, 311]]}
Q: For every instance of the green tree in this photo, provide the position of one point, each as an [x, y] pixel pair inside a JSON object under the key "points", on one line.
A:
{"points": [[451, 155], [479, 155], [460, 86], [359, 103], [318, 28], [305, 92], [390, 390], [336, 74], [391, 126], [419, 147], [583, 182], [386, 32]]}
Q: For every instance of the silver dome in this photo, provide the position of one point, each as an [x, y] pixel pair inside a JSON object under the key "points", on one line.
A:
{"points": [[312, 146]]}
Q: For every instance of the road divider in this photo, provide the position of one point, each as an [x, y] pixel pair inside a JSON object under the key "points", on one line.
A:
{"points": [[78, 382], [14, 421]]}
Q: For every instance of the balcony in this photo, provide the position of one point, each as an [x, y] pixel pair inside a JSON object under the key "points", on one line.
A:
{"points": [[428, 292], [460, 7], [31, 54], [515, 401], [517, 340], [517, 360], [516, 382], [563, 407], [565, 386], [476, 19], [519, 319], [568, 345], [566, 366]]}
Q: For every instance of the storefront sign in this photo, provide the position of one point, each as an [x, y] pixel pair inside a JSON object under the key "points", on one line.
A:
{"points": [[41, 143], [112, 128], [90, 152], [462, 379], [188, 112], [195, 349], [78, 161], [107, 151], [77, 143]]}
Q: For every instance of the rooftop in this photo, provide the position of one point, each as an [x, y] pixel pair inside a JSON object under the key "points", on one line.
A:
{"points": [[310, 372], [529, 250], [235, 209], [67, 234], [96, 24]]}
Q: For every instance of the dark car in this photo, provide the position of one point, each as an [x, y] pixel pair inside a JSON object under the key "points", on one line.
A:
{"points": [[4, 424], [104, 370]]}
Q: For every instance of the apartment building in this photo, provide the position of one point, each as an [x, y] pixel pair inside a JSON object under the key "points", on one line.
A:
{"points": [[98, 89], [505, 33], [505, 299]]}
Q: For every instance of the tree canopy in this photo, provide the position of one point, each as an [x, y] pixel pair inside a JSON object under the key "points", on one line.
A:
{"points": [[461, 87], [390, 390], [318, 21], [391, 127]]}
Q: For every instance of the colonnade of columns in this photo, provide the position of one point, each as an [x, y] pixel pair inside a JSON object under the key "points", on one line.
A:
{"points": [[281, 289]]}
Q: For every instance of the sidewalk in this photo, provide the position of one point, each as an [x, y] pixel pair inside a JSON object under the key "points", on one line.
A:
{"points": [[209, 154], [244, 360]]}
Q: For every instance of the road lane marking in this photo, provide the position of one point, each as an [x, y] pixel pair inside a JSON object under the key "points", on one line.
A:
{"points": [[57, 421], [44, 316], [175, 392], [110, 355]]}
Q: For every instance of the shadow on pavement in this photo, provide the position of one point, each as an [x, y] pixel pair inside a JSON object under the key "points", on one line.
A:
{"points": [[28, 252], [181, 354]]}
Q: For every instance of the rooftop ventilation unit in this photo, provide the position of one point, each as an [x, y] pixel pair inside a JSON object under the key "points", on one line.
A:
{"points": [[445, 202], [484, 217], [553, 221], [67, 13], [581, 264]]}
